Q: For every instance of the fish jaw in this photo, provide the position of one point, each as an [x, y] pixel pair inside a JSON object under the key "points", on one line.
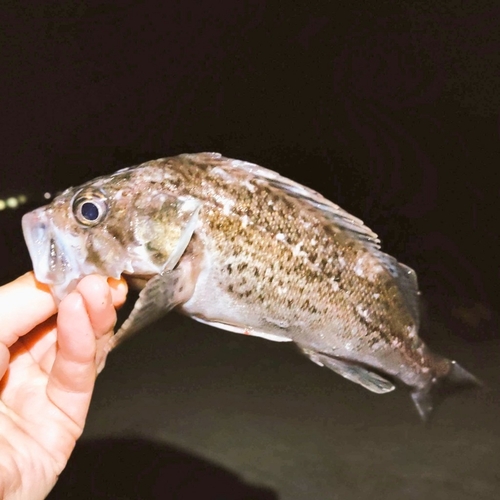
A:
{"points": [[53, 262], [59, 258]]}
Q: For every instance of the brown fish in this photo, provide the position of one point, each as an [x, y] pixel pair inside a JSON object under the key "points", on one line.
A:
{"points": [[239, 247]]}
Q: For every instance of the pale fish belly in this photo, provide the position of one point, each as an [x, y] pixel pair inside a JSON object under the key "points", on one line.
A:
{"points": [[212, 303]]}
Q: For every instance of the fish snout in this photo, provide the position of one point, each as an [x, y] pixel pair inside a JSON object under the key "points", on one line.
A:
{"points": [[51, 262]]}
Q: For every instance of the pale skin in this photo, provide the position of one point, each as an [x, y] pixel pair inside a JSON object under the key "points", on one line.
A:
{"points": [[48, 365]]}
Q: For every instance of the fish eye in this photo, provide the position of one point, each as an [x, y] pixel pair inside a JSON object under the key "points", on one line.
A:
{"points": [[89, 208]]}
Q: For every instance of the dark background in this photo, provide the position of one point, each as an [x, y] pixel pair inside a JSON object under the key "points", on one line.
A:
{"points": [[389, 108]]}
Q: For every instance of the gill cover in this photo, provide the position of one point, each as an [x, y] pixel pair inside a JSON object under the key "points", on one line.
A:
{"points": [[159, 296]]}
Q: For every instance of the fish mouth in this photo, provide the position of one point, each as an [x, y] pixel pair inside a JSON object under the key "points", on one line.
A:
{"points": [[53, 264]]}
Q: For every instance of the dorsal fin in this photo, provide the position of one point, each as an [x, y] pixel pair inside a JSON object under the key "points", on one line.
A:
{"points": [[406, 279], [408, 284], [404, 275], [329, 209]]}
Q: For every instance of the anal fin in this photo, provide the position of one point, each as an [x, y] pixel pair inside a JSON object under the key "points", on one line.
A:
{"points": [[351, 371]]}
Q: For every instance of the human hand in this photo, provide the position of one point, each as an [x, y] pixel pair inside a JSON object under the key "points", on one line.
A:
{"points": [[48, 364]]}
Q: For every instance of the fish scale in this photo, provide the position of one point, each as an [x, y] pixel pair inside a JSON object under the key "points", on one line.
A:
{"points": [[269, 222], [244, 249]]}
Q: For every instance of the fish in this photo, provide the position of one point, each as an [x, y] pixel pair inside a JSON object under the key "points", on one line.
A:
{"points": [[244, 249]]}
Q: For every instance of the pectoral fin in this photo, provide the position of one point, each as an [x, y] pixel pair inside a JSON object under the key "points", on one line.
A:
{"points": [[175, 282], [353, 372], [160, 296]]}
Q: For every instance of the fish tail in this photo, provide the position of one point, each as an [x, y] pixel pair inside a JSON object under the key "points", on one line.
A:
{"points": [[440, 387]]}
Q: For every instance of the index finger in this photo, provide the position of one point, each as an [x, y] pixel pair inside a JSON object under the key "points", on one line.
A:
{"points": [[24, 304]]}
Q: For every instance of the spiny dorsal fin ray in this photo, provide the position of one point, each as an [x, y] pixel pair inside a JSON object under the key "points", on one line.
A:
{"points": [[404, 275], [330, 210]]}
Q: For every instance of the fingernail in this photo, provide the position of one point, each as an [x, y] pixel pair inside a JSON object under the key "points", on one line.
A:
{"points": [[119, 290]]}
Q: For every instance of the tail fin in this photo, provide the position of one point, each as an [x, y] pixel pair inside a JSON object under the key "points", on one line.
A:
{"points": [[438, 389]]}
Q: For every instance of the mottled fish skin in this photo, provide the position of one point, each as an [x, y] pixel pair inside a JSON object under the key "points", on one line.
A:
{"points": [[281, 261]]}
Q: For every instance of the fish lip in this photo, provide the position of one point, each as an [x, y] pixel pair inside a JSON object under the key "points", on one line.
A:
{"points": [[52, 264], [35, 225]]}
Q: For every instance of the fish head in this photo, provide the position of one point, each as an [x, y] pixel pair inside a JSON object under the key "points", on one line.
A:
{"points": [[110, 226]]}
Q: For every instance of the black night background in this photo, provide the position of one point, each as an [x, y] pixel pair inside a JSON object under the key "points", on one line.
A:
{"points": [[391, 110]]}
